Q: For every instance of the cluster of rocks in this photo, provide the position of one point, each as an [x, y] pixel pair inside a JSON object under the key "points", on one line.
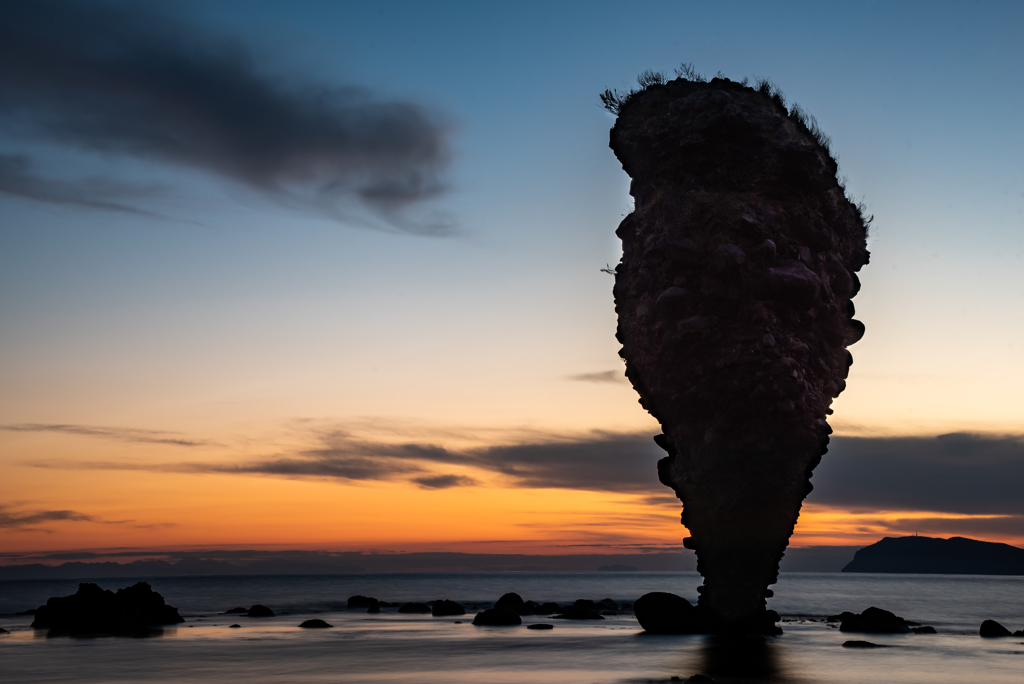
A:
{"points": [[437, 608], [734, 307], [93, 609], [991, 628], [509, 609], [878, 621]]}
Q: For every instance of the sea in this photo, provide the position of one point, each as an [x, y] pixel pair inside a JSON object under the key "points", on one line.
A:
{"points": [[421, 649]]}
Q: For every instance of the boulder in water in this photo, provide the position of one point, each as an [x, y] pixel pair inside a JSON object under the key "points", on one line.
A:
{"points": [[497, 617], [446, 607], [259, 611], [991, 628], [540, 625], [315, 623], [660, 612], [512, 602]]}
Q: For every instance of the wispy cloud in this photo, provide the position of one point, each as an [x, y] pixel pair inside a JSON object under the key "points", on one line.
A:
{"points": [[133, 81], [116, 433], [609, 376], [28, 520], [444, 481]]}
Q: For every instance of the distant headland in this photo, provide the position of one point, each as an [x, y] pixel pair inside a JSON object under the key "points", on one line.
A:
{"points": [[929, 555]]}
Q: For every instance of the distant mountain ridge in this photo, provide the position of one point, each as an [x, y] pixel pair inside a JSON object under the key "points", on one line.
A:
{"points": [[931, 555], [807, 559]]}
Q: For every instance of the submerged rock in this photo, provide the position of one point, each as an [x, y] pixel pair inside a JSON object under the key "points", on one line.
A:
{"points": [[92, 609], [540, 625], [991, 628], [862, 644], [582, 609], [497, 617], [315, 623], [923, 630], [734, 313], [232, 611]]}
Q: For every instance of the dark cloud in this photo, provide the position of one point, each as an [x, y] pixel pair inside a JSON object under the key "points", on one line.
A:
{"points": [[17, 179], [610, 376], [122, 80], [120, 434], [954, 473], [444, 481]]}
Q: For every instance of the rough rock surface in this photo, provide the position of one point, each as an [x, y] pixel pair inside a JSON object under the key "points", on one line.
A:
{"points": [[734, 304], [92, 609]]}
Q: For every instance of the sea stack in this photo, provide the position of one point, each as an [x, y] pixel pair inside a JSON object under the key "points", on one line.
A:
{"points": [[734, 306]]}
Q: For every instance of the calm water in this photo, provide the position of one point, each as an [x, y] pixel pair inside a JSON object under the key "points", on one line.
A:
{"points": [[419, 648]]}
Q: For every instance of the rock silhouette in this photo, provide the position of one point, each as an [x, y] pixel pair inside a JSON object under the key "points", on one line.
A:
{"points": [[734, 305], [497, 617], [316, 623], [92, 609], [991, 628], [874, 621], [259, 611]]}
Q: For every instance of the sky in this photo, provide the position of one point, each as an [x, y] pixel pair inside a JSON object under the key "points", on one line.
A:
{"points": [[327, 275]]}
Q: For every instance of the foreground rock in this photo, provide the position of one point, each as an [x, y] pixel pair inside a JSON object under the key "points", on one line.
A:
{"points": [[874, 621], [497, 617], [991, 628], [734, 307], [446, 607], [259, 611], [92, 609], [315, 623], [660, 612], [540, 625]]}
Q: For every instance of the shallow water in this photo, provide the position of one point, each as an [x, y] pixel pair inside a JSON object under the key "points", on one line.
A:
{"points": [[396, 648]]}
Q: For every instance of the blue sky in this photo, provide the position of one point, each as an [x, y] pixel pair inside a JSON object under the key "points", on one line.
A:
{"points": [[235, 311]]}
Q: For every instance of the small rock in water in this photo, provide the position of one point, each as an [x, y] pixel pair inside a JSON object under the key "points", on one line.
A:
{"points": [[259, 611], [235, 610], [862, 644], [991, 628], [230, 626], [497, 617], [315, 623], [414, 607], [4, 631], [359, 601], [540, 625], [924, 630]]}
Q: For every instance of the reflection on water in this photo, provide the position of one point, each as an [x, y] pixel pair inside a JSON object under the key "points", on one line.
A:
{"points": [[752, 659]]}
